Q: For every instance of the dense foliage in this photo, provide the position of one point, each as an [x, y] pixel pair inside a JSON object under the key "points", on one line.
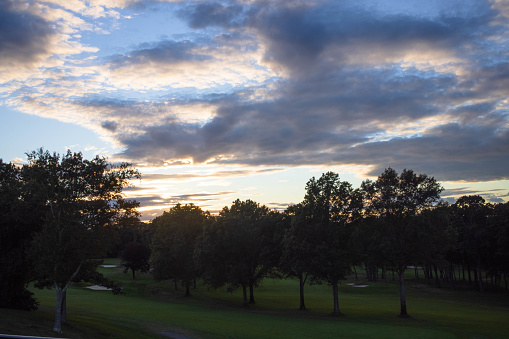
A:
{"points": [[78, 201], [135, 257], [387, 225], [173, 244]]}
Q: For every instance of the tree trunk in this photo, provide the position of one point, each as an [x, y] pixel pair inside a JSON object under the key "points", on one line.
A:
{"points": [[355, 272], [188, 291], [426, 274], [479, 274], [476, 283], [58, 310], [335, 293], [134, 278], [61, 298], [453, 278], [402, 295], [302, 282], [244, 294], [64, 307], [251, 292], [469, 275], [437, 280]]}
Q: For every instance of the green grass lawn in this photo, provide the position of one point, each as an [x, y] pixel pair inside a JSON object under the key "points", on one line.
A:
{"points": [[150, 307]]}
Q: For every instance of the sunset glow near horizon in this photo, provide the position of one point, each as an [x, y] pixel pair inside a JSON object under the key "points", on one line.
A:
{"points": [[218, 100]]}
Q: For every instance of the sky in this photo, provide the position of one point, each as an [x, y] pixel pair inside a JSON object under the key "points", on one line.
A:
{"points": [[215, 101]]}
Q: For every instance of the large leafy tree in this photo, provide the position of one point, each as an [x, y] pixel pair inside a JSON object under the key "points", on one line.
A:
{"points": [[239, 248], [84, 200], [331, 207], [174, 241], [20, 216], [396, 200]]}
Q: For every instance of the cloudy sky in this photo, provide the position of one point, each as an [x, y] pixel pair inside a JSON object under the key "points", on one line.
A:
{"points": [[219, 100]]}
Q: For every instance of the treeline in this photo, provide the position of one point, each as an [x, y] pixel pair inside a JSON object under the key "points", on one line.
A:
{"points": [[384, 226], [59, 215]]}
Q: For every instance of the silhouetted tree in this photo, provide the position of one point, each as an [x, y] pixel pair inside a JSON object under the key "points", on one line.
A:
{"points": [[298, 247], [238, 249], [84, 199], [330, 208], [470, 217], [500, 224], [396, 200], [436, 240], [135, 257], [174, 242], [20, 216]]}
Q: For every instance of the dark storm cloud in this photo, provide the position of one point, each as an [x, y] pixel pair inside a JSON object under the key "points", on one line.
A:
{"points": [[344, 87], [303, 125], [297, 36], [167, 52], [24, 38], [451, 152], [109, 125], [246, 132], [206, 14]]}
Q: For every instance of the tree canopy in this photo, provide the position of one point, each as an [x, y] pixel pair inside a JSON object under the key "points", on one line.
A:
{"points": [[84, 200], [395, 200], [174, 241], [238, 249]]}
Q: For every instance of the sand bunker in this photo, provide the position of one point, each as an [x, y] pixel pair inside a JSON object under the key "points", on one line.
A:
{"points": [[354, 285], [108, 266], [98, 288]]}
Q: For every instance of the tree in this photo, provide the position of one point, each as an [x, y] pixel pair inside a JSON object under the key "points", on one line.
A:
{"points": [[436, 241], [83, 199], [367, 235], [135, 257], [174, 241], [20, 216], [396, 200], [297, 249], [470, 217], [239, 248], [500, 223], [331, 207]]}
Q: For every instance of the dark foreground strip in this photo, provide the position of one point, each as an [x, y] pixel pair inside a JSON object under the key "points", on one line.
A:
{"points": [[24, 337]]}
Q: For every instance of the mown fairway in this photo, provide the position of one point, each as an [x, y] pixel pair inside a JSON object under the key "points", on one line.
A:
{"points": [[151, 307]]}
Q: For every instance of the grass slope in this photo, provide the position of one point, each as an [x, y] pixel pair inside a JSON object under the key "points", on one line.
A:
{"points": [[151, 307]]}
